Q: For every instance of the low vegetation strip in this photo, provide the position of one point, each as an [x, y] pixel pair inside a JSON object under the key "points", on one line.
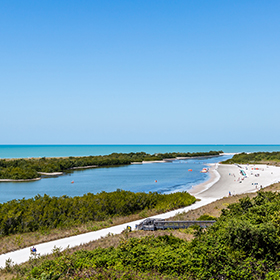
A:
{"points": [[244, 243], [31, 168], [260, 157], [45, 212]]}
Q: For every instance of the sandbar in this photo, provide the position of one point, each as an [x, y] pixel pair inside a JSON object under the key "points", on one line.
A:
{"points": [[85, 167], [50, 174], [19, 180]]}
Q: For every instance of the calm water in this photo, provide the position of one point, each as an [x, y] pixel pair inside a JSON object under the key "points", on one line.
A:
{"points": [[171, 177], [24, 151]]}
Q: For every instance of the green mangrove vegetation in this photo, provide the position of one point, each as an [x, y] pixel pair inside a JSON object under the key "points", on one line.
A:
{"points": [[244, 243], [45, 212], [258, 157], [17, 169]]}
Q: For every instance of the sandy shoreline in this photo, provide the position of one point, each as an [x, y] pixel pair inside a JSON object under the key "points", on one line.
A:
{"points": [[50, 174], [226, 178], [19, 180], [83, 167], [214, 178]]}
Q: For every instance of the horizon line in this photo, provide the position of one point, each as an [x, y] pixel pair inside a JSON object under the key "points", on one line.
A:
{"points": [[89, 144]]}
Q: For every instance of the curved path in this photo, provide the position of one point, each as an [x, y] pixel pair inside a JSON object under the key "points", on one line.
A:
{"points": [[23, 255]]}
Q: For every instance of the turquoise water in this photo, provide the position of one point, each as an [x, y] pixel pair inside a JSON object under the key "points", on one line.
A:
{"points": [[24, 151], [170, 177]]}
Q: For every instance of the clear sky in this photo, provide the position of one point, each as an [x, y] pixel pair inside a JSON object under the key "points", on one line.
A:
{"points": [[139, 72]]}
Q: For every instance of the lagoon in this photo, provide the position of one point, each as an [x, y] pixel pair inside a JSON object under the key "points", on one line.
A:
{"points": [[170, 176]]}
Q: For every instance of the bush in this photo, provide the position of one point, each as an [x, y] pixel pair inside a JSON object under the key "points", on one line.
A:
{"points": [[242, 244], [29, 168], [45, 212]]}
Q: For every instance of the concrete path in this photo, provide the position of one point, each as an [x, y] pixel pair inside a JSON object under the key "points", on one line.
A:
{"points": [[23, 255]]}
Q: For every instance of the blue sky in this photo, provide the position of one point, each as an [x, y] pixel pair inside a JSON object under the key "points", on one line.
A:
{"points": [[139, 72]]}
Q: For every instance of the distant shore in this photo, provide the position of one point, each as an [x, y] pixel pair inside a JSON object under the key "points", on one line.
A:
{"points": [[46, 174], [177, 158]]}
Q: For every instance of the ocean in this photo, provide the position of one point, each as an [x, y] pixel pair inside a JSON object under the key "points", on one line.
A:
{"points": [[24, 151], [161, 177]]}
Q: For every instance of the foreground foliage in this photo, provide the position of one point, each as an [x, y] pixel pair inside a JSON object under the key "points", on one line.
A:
{"points": [[28, 168], [259, 157], [45, 212], [244, 243]]}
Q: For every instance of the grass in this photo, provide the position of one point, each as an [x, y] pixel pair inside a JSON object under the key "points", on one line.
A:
{"points": [[215, 208], [23, 240], [104, 242]]}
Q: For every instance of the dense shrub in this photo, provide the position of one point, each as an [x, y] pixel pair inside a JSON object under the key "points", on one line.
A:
{"points": [[29, 168], [259, 157], [42, 212], [244, 243]]}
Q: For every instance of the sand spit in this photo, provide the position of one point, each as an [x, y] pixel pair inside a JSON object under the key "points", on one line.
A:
{"points": [[153, 161], [50, 174], [19, 180], [84, 167]]}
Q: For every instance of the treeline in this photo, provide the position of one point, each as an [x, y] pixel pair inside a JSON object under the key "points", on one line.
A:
{"points": [[45, 212], [244, 243], [258, 157], [28, 168]]}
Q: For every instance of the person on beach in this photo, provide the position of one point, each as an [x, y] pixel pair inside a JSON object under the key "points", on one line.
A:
{"points": [[229, 193]]}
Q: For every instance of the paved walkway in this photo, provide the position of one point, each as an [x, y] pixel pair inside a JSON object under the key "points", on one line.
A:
{"points": [[23, 255]]}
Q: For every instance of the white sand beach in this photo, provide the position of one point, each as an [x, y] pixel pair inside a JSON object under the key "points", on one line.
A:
{"points": [[223, 179], [214, 178]]}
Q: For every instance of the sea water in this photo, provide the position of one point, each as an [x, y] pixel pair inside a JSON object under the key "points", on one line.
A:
{"points": [[25, 151]]}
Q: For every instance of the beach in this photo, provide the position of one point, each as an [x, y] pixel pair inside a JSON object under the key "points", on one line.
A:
{"points": [[214, 178], [226, 179]]}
